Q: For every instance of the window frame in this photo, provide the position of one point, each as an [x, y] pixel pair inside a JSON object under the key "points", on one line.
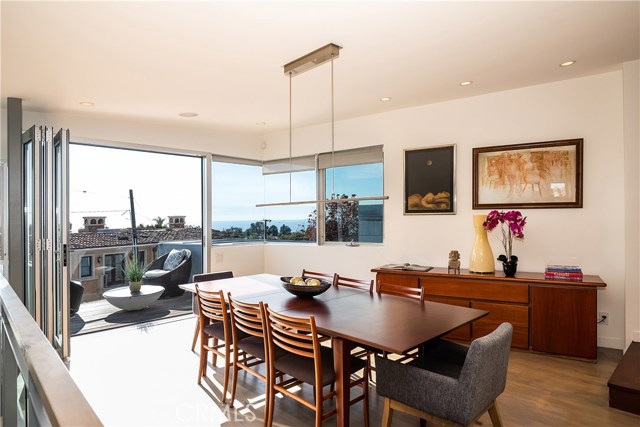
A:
{"points": [[320, 177]]}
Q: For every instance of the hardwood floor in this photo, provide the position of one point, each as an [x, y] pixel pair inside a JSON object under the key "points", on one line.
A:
{"points": [[147, 377]]}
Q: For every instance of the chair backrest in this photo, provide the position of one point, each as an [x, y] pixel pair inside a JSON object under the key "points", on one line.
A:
{"points": [[296, 335], [212, 306], [484, 374], [400, 290], [205, 277], [315, 275], [246, 317], [365, 285]]}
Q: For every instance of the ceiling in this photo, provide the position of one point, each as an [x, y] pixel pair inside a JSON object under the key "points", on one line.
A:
{"points": [[223, 59]]}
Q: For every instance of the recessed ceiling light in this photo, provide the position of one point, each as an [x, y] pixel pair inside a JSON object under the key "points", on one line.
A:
{"points": [[567, 63], [87, 104], [466, 83], [188, 114], [386, 98], [261, 124]]}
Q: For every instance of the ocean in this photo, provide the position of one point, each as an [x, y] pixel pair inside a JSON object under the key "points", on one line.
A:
{"points": [[294, 224]]}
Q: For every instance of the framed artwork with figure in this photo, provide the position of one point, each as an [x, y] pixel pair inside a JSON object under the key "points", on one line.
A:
{"points": [[534, 175], [429, 180]]}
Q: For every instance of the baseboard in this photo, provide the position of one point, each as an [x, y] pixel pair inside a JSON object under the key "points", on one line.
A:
{"points": [[615, 343]]}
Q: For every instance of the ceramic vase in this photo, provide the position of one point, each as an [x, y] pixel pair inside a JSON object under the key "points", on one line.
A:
{"points": [[481, 254], [135, 286], [509, 268]]}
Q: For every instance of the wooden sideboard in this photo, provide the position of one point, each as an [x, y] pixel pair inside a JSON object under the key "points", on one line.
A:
{"points": [[550, 316]]}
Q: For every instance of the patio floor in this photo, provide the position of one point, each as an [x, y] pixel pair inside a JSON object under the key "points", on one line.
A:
{"points": [[95, 316]]}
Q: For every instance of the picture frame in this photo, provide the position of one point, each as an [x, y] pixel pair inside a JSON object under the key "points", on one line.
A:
{"points": [[429, 180], [532, 175]]}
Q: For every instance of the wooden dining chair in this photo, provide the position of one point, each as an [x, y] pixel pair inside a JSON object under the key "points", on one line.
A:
{"points": [[316, 275], [306, 361], [365, 285], [250, 346], [364, 353], [205, 277], [215, 326], [412, 292]]}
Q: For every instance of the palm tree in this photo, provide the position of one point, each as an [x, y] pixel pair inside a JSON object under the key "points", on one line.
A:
{"points": [[158, 222]]}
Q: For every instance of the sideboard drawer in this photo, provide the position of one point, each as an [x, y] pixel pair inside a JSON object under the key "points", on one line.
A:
{"points": [[485, 290], [517, 315]]}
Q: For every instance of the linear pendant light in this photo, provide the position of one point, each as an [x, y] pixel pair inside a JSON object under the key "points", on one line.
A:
{"points": [[294, 68]]}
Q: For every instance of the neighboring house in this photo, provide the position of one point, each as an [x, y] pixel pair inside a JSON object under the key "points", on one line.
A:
{"points": [[97, 256]]}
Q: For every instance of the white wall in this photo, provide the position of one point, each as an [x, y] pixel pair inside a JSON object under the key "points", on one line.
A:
{"points": [[589, 108], [631, 86], [88, 128]]}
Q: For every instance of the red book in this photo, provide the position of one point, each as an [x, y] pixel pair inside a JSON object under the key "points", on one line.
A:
{"points": [[562, 274]]}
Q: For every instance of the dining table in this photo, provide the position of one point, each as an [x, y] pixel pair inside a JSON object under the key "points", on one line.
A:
{"points": [[351, 317]]}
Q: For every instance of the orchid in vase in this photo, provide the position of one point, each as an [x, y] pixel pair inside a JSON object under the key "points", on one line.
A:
{"points": [[511, 225]]}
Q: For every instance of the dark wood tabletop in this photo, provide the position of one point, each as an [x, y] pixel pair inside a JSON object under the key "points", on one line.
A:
{"points": [[352, 317]]}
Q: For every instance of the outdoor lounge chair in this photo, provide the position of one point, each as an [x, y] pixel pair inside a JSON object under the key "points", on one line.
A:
{"points": [[169, 271]]}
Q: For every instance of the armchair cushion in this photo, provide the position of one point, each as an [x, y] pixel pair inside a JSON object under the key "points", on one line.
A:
{"points": [[152, 274], [174, 259]]}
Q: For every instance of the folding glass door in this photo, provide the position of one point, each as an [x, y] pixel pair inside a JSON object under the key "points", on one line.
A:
{"points": [[45, 232]]}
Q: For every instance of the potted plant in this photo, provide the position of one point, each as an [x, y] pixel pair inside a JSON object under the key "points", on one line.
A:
{"points": [[512, 226], [134, 270]]}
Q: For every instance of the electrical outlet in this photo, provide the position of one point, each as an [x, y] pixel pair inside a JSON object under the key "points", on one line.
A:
{"points": [[603, 318]]}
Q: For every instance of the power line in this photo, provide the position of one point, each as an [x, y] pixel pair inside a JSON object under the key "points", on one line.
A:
{"points": [[117, 210]]}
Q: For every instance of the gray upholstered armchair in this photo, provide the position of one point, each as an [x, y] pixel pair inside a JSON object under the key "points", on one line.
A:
{"points": [[448, 381], [169, 271]]}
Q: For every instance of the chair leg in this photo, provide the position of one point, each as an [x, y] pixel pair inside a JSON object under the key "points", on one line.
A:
{"points": [[317, 394], [495, 414], [202, 369], [270, 396], [214, 356], [195, 334], [227, 368], [234, 381], [365, 391], [387, 413]]}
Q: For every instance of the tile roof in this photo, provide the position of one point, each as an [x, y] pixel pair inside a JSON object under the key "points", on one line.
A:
{"points": [[122, 237]]}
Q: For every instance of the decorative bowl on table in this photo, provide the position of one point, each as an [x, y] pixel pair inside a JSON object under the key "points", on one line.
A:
{"points": [[304, 286]]}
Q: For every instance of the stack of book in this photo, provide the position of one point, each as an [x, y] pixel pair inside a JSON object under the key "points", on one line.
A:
{"points": [[563, 272]]}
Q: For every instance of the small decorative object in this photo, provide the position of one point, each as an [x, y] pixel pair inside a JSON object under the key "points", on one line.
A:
{"points": [[512, 225], [304, 286], [134, 269], [454, 262], [481, 255]]}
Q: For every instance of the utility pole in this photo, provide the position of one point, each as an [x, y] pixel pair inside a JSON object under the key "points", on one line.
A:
{"points": [[134, 232]]}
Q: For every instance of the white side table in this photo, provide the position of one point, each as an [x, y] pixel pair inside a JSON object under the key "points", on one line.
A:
{"points": [[124, 299]]}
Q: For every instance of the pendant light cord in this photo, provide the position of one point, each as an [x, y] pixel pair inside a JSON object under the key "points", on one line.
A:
{"points": [[290, 137], [333, 137]]}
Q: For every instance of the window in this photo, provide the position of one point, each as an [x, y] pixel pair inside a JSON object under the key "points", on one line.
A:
{"points": [[353, 173], [86, 266], [238, 185], [290, 180]]}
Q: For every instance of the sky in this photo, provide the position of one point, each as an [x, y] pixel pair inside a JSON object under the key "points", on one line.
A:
{"points": [[166, 184]]}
